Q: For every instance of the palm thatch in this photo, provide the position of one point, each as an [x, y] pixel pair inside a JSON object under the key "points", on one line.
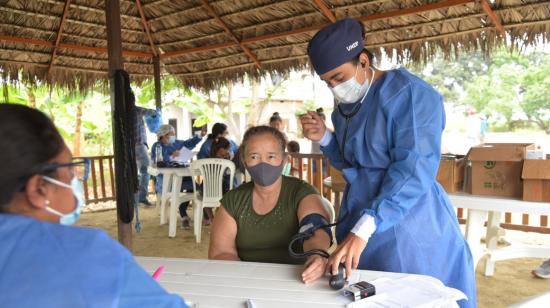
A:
{"points": [[205, 43]]}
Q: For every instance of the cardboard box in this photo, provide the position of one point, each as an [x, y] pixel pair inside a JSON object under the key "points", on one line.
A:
{"points": [[496, 169], [451, 172], [536, 180]]}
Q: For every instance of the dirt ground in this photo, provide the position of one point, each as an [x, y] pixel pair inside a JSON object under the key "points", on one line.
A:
{"points": [[511, 283]]}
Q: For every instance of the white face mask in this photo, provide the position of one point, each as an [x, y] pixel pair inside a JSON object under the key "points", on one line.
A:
{"points": [[78, 192], [350, 91]]}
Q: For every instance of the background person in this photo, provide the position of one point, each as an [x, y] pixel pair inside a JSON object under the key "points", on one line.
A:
{"points": [[170, 147], [218, 130]]}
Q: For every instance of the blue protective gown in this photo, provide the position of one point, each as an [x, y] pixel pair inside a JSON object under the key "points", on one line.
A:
{"points": [[50, 265], [167, 150], [392, 153]]}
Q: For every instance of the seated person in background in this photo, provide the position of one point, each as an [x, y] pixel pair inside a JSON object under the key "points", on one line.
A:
{"points": [[170, 147], [218, 130], [292, 147], [221, 148], [45, 262], [257, 220]]}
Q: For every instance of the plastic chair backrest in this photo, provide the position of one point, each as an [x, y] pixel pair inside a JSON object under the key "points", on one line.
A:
{"points": [[212, 171], [329, 208]]}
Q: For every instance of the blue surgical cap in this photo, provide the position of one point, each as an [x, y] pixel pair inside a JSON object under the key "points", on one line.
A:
{"points": [[335, 45]]}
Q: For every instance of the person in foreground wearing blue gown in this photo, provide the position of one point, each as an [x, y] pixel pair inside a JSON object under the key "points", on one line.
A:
{"points": [[386, 141], [218, 130], [46, 262]]}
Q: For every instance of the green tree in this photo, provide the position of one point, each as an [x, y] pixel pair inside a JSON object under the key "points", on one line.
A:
{"points": [[535, 86]]}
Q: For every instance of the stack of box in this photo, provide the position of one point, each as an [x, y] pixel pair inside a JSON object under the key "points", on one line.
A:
{"points": [[496, 169], [514, 170], [536, 179], [451, 172]]}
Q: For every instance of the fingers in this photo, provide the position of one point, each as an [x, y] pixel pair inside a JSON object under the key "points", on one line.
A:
{"points": [[315, 268], [335, 260], [310, 117], [348, 264], [355, 262]]}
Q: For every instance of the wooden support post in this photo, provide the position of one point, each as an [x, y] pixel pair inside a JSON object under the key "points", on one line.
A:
{"points": [[156, 75], [116, 62]]}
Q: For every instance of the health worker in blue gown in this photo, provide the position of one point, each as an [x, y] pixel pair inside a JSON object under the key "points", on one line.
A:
{"points": [[44, 261], [386, 141]]}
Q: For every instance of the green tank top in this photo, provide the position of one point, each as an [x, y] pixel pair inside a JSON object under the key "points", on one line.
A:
{"points": [[265, 238]]}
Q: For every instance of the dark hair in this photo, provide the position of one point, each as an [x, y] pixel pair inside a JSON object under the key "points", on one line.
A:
{"points": [[293, 147], [219, 143], [217, 130], [355, 61], [275, 117], [28, 140], [261, 130]]}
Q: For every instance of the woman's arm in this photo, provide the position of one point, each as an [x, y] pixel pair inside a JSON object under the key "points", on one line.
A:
{"points": [[315, 265], [222, 238]]}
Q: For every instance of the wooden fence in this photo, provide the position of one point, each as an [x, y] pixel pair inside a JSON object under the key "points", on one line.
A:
{"points": [[101, 187]]}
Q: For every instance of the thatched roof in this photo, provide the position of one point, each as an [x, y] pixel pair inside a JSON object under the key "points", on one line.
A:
{"points": [[208, 42]]}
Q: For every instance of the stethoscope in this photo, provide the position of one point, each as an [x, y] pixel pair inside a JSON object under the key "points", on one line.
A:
{"points": [[348, 116]]}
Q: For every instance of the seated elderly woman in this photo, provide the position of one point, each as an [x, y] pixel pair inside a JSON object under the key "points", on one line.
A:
{"points": [[44, 262], [257, 220]]}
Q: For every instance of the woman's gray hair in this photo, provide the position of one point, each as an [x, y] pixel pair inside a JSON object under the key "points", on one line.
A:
{"points": [[261, 130]]}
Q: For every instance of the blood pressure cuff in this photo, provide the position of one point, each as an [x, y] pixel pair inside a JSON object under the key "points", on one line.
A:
{"points": [[311, 223]]}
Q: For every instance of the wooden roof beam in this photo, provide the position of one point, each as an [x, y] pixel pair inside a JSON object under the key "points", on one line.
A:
{"points": [[154, 48], [59, 34], [69, 20], [321, 4], [49, 33], [88, 8], [129, 53], [496, 21], [246, 50], [267, 37]]}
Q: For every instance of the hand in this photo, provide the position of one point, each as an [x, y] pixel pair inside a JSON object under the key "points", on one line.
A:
{"points": [[348, 252], [314, 268], [313, 126], [175, 154]]}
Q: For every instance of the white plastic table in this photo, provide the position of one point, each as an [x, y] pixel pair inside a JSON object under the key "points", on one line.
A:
{"points": [[490, 209], [173, 175], [209, 283]]}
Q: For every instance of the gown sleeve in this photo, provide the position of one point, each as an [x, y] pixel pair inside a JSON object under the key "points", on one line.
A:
{"points": [[139, 289], [189, 143], [332, 151]]}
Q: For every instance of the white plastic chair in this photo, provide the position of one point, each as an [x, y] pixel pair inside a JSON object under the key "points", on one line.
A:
{"points": [[212, 171], [163, 196], [179, 196]]}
